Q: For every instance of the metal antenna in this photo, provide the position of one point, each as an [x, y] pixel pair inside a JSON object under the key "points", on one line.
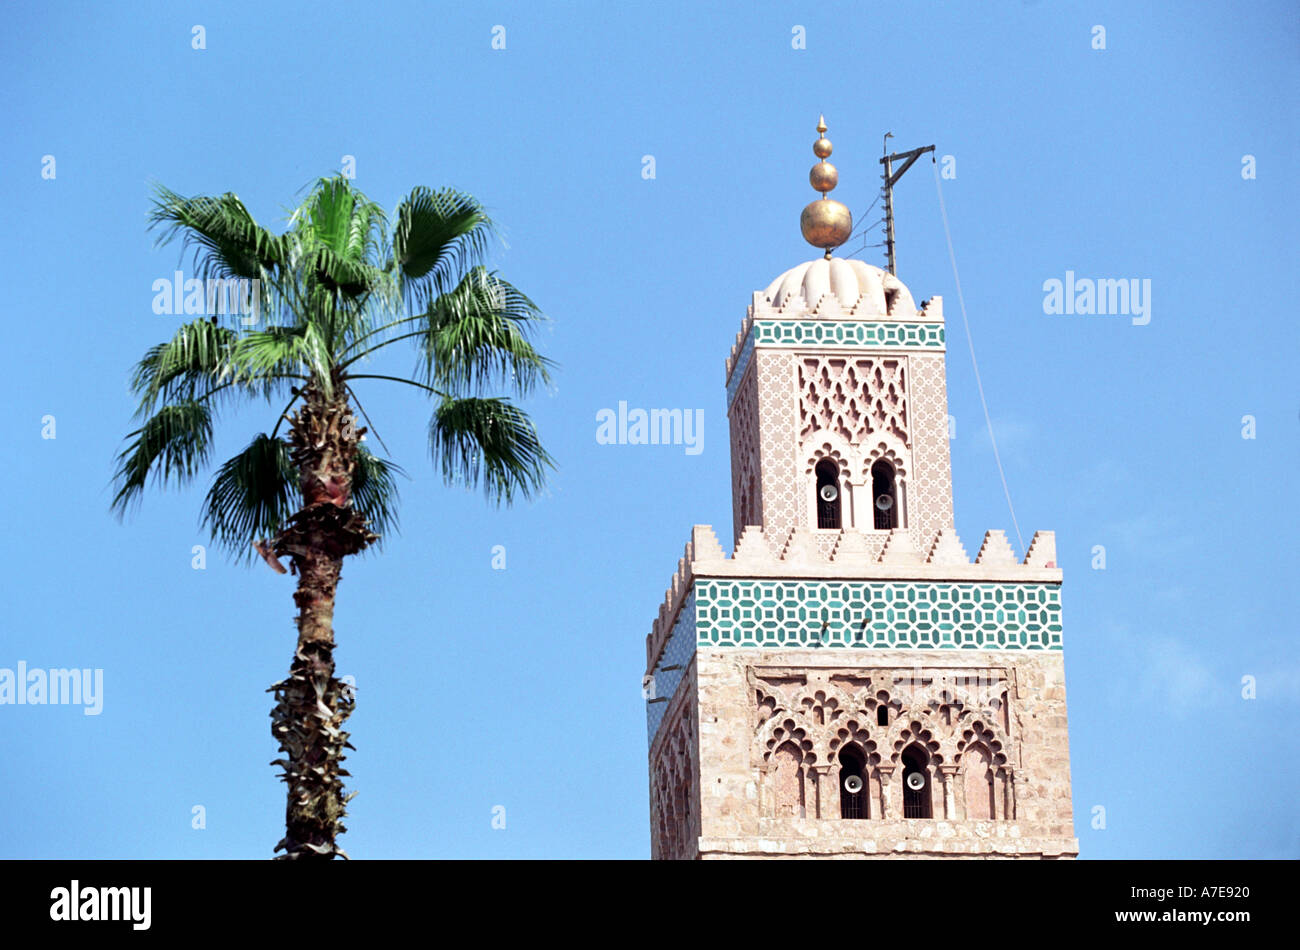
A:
{"points": [[891, 178]]}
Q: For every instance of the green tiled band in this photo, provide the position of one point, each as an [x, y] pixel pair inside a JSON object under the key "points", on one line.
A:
{"points": [[847, 333], [897, 614]]}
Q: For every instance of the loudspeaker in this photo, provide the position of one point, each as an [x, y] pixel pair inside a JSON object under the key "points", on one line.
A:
{"points": [[915, 781], [884, 502], [828, 493], [853, 784]]}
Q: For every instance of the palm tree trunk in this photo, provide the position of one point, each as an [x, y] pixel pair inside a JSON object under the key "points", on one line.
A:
{"points": [[311, 704]]}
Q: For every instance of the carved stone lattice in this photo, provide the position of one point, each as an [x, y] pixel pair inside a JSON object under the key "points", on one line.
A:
{"points": [[854, 732], [930, 487], [746, 482], [788, 758], [783, 489], [803, 720], [674, 817], [853, 397], [915, 734]]}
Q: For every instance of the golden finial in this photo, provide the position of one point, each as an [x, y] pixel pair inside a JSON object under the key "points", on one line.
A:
{"points": [[825, 223]]}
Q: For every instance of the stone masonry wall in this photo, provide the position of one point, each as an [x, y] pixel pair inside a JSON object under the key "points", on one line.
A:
{"points": [[993, 724]]}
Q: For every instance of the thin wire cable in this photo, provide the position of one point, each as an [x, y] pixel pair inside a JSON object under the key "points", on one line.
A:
{"points": [[858, 229], [860, 247], [971, 343]]}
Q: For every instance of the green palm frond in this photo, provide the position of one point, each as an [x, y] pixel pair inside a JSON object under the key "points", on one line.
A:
{"points": [[338, 274], [438, 235], [374, 491], [189, 363], [173, 443], [284, 351], [325, 280], [226, 240], [252, 495], [478, 334], [488, 442], [340, 237]]}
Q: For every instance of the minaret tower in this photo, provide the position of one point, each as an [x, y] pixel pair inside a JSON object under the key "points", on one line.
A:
{"points": [[849, 683]]}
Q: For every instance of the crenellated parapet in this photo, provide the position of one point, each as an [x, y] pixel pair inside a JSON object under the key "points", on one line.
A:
{"points": [[882, 315], [798, 552], [795, 554], [1042, 550], [741, 336], [703, 545], [921, 333]]}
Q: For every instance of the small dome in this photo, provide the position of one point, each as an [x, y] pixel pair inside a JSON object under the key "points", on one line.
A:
{"points": [[849, 281]]}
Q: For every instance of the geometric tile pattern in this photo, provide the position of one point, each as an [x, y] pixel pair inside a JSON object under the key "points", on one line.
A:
{"points": [[878, 614], [677, 652], [738, 371], [847, 333]]}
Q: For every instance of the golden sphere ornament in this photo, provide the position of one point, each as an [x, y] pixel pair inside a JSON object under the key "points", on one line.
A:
{"points": [[826, 223], [824, 177]]}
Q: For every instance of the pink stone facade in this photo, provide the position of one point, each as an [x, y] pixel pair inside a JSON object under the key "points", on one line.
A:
{"points": [[753, 748], [790, 412], [994, 727]]}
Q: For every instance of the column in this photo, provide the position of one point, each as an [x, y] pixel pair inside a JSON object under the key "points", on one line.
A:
{"points": [[886, 796], [950, 778], [828, 797]]}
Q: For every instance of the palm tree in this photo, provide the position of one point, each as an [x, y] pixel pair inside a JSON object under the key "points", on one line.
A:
{"points": [[334, 288]]}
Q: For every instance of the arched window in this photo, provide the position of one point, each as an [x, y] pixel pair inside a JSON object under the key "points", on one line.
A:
{"points": [[787, 782], [882, 715], [828, 494], [916, 772], [978, 780], [884, 495], [853, 782]]}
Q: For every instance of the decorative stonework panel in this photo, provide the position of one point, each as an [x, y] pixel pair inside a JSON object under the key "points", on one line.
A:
{"points": [[783, 486], [788, 779], [674, 795], [746, 468], [803, 719], [930, 491], [853, 397], [826, 542], [878, 614], [855, 333]]}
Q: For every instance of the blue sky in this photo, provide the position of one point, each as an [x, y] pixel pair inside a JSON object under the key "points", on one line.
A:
{"points": [[521, 687]]}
